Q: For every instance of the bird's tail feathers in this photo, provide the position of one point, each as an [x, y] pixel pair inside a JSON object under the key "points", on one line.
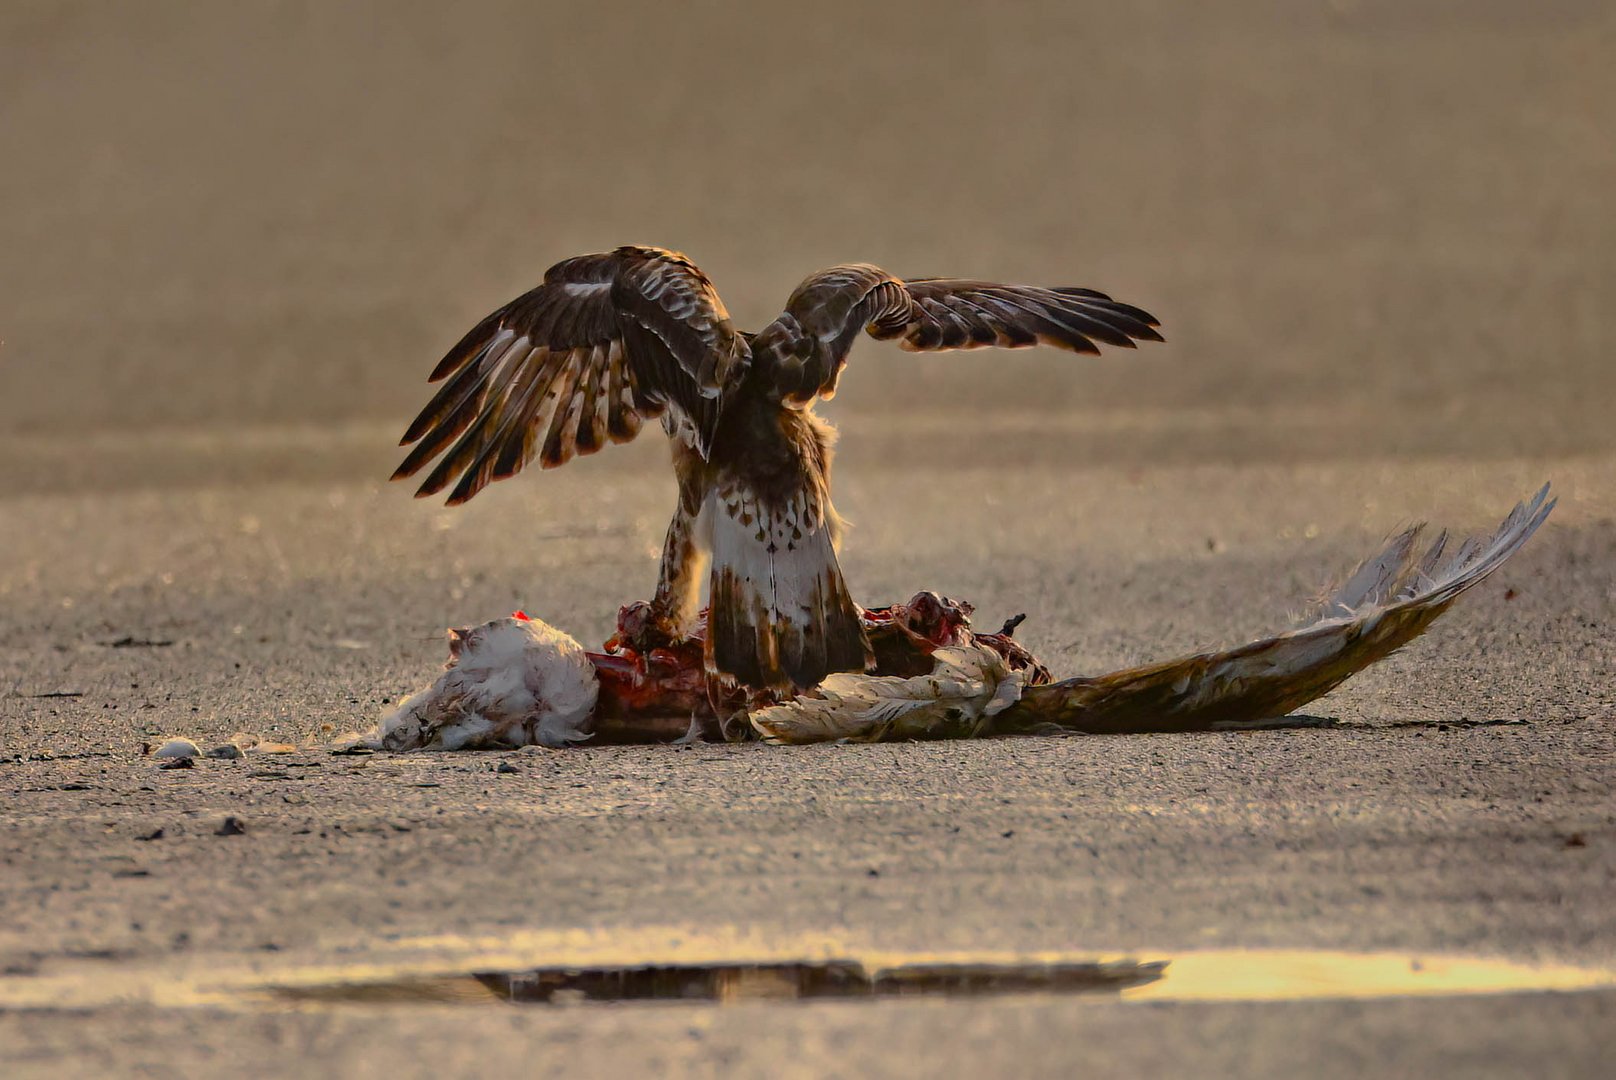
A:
{"points": [[779, 615]]}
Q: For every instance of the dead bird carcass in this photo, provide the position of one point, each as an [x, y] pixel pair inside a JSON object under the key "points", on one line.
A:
{"points": [[517, 681]]}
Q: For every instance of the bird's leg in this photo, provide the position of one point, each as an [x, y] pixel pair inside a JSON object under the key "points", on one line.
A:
{"points": [[732, 704], [679, 582], [671, 616]]}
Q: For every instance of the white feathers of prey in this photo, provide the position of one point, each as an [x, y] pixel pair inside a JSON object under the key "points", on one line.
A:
{"points": [[511, 682]]}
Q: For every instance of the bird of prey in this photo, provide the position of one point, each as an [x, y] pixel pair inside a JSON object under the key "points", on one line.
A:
{"points": [[611, 340]]}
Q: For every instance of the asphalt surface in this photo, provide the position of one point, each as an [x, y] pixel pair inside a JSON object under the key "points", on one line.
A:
{"points": [[232, 242]]}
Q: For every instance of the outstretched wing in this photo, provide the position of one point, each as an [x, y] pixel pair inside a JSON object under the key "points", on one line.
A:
{"points": [[802, 353], [605, 343]]}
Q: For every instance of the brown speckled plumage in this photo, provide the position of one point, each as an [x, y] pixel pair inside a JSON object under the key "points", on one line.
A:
{"points": [[608, 341]]}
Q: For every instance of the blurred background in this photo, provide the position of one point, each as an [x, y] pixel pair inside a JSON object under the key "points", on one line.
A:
{"points": [[242, 233]]}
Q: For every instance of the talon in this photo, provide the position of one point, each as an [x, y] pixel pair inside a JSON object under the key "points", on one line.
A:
{"points": [[641, 627], [737, 727]]}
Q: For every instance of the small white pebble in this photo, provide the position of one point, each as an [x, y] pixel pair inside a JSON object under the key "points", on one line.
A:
{"points": [[177, 748]]}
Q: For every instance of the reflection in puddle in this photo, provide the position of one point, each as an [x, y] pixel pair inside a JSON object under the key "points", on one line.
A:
{"points": [[729, 983], [836, 979], [1231, 975]]}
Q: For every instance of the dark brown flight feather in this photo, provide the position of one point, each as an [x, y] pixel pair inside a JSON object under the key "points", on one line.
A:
{"points": [[804, 350], [605, 343]]}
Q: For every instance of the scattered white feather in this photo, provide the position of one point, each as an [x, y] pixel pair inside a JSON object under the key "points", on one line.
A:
{"points": [[695, 733]]}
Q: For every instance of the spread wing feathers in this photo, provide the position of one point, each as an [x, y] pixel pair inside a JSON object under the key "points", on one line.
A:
{"points": [[779, 615], [805, 349], [969, 686], [1387, 602], [605, 343]]}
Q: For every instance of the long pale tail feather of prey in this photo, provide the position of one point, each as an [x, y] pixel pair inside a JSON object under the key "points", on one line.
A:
{"points": [[1391, 598]]}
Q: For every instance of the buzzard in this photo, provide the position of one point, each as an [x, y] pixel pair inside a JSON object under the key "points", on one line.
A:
{"points": [[611, 340]]}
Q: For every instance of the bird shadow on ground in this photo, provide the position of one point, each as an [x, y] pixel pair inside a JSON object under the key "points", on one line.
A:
{"points": [[1278, 723]]}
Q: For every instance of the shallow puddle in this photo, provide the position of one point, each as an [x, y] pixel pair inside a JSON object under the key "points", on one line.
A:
{"points": [[1304, 974], [744, 982], [607, 970], [1232, 975]]}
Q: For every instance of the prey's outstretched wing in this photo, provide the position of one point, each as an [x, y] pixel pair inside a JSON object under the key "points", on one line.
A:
{"points": [[802, 353], [605, 343], [1387, 602]]}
